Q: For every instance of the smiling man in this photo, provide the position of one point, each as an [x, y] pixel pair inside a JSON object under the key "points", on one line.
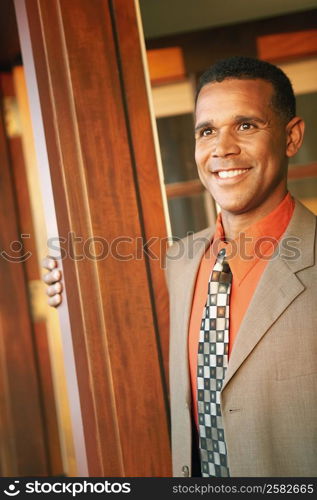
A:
{"points": [[243, 341], [243, 344]]}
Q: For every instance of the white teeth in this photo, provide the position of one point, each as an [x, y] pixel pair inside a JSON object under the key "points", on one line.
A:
{"points": [[230, 173]]}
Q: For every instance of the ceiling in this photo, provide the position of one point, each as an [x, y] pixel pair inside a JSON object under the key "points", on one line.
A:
{"points": [[166, 17]]}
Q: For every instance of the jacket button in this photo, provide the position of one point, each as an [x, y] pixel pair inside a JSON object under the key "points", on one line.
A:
{"points": [[185, 471]]}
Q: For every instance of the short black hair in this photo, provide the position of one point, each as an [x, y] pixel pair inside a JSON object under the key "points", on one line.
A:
{"points": [[241, 67]]}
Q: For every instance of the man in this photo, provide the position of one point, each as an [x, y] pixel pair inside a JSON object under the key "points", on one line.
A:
{"points": [[243, 344], [256, 415]]}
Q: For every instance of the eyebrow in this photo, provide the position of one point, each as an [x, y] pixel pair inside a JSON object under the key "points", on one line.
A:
{"points": [[203, 125], [242, 118], [237, 119]]}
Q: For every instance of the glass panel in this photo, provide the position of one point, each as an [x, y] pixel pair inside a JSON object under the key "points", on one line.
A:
{"points": [[176, 137], [306, 108], [305, 190], [187, 214]]}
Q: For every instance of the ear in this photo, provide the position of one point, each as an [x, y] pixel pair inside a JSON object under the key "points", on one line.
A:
{"points": [[294, 135]]}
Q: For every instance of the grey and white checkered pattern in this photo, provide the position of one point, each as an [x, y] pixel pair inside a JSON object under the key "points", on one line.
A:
{"points": [[212, 366]]}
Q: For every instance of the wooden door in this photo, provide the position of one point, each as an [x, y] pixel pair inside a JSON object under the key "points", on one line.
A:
{"points": [[94, 138], [24, 440], [17, 161]]}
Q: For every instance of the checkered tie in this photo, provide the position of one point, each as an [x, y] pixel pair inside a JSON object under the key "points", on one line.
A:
{"points": [[212, 366]]}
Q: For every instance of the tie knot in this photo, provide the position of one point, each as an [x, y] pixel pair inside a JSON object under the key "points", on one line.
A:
{"points": [[225, 275]]}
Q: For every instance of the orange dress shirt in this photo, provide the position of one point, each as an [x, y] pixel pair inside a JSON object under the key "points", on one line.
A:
{"points": [[247, 255]]}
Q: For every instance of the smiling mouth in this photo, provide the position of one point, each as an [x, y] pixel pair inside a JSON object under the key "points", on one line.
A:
{"points": [[226, 174]]}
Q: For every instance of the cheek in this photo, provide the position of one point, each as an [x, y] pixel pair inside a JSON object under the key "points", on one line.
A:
{"points": [[274, 159], [273, 149], [196, 155], [198, 159], [259, 156], [200, 156]]}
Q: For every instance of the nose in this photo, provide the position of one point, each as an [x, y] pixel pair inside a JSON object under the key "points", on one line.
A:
{"points": [[225, 144]]}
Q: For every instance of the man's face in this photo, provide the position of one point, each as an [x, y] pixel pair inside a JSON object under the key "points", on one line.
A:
{"points": [[241, 144]]}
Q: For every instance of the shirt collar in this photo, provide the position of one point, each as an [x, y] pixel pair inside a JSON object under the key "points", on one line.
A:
{"points": [[255, 243]]}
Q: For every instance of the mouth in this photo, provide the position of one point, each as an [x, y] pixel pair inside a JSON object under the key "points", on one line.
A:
{"points": [[234, 174]]}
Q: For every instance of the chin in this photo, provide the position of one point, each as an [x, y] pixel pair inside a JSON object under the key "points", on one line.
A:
{"points": [[229, 203], [234, 206], [235, 210]]}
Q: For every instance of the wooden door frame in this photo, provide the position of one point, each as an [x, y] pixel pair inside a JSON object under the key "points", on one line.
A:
{"points": [[24, 444], [67, 95]]}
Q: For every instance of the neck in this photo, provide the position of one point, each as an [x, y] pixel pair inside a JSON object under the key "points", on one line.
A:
{"points": [[234, 224]]}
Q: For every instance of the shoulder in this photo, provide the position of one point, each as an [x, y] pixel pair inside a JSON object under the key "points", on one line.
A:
{"points": [[192, 239], [302, 223], [302, 212], [298, 244], [183, 251]]}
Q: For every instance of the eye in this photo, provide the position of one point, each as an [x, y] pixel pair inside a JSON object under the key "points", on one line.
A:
{"points": [[206, 131], [246, 126]]}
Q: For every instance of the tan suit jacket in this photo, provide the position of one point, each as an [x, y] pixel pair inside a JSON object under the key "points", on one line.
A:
{"points": [[269, 395]]}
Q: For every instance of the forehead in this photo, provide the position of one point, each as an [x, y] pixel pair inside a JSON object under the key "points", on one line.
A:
{"points": [[235, 96]]}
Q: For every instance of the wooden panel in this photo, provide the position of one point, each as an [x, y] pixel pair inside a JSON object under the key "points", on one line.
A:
{"points": [[145, 168], [39, 300], [8, 464], [187, 188], [95, 184], [302, 171], [32, 274], [285, 46], [21, 411], [166, 64]]}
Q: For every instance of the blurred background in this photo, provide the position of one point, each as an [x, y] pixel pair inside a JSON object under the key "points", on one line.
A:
{"points": [[180, 39]]}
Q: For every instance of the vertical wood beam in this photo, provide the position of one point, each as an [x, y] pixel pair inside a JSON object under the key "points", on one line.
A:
{"points": [[97, 198], [22, 431], [143, 156]]}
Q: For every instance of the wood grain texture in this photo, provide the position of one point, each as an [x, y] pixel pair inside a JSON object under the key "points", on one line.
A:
{"points": [[40, 340], [302, 171], [287, 46], [21, 406], [147, 182], [96, 196], [187, 188], [165, 65]]}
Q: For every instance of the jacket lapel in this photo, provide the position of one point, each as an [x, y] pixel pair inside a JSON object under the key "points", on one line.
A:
{"points": [[183, 287], [190, 270], [276, 290], [278, 287]]}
